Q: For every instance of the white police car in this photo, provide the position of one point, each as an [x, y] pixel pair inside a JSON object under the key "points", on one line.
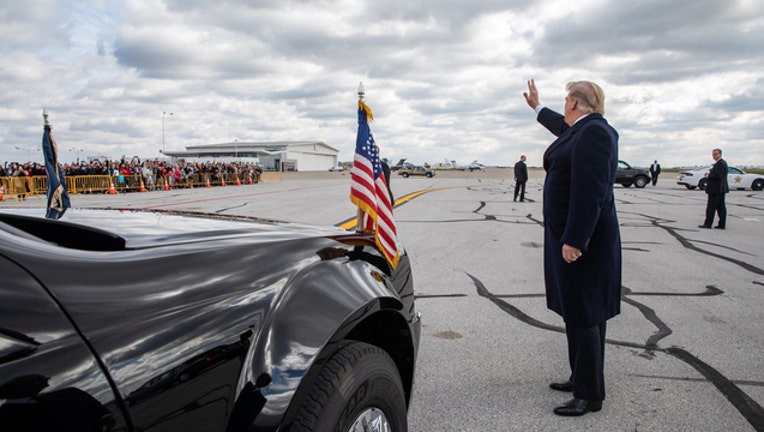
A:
{"points": [[736, 178]]}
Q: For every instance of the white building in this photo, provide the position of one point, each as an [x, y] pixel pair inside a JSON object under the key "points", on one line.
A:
{"points": [[272, 156]]}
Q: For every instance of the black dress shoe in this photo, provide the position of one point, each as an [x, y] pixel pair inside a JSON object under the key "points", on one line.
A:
{"points": [[704, 226], [719, 227], [578, 407], [566, 386]]}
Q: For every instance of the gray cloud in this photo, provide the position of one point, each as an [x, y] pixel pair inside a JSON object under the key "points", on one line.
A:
{"points": [[444, 78]]}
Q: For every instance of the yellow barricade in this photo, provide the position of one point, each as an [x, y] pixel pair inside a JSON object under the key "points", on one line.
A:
{"points": [[88, 184], [268, 176], [20, 188]]}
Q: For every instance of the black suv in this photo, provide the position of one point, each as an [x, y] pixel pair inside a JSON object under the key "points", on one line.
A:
{"points": [[628, 176]]}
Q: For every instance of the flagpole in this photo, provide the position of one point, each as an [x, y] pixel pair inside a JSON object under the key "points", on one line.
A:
{"points": [[359, 212]]}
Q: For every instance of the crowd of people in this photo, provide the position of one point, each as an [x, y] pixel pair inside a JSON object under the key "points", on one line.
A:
{"points": [[128, 174], [148, 170]]}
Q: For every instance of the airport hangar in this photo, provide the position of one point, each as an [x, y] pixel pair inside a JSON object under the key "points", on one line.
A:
{"points": [[271, 156]]}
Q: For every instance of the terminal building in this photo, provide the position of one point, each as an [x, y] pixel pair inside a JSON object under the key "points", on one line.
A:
{"points": [[271, 156]]}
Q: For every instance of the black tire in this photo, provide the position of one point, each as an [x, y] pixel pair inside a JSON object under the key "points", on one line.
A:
{"points": [[360, 379], [758, 184], [428, 175], [626, 184], [640, 182], [405, 175], [702, 184]]}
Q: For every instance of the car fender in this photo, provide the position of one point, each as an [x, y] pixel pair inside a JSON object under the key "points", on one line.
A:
{"points": [[329, 298]]}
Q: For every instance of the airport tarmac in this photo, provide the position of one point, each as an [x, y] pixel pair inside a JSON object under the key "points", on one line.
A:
{"points": [[686, 353]]}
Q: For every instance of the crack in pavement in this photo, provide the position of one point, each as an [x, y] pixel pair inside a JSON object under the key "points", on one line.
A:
{"points": [[711, 290], [724, 247], [752, 411], [746, 406], [424, 296], [689, 245], [230, 208], [689, 379]]}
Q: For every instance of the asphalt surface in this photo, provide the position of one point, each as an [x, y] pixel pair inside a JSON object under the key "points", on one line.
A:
{"points": [[686, 353]]}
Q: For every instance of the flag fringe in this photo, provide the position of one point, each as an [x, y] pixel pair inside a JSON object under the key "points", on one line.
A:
{"points": [[367, 110]]}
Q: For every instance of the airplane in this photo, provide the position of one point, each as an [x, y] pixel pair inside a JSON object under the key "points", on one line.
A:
{"points": [[402, 164], [474, 165]]}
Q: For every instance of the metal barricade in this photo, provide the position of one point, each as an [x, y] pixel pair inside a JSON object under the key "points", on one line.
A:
{"points": [[88, 184], [20, 188], [5, 186], [268, 176]]}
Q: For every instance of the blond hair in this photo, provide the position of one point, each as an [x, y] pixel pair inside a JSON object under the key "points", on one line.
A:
{"points": [[589, 95]]}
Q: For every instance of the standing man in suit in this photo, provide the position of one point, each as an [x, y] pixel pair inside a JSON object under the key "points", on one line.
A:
{"points": [[386, 171], [521, 176], [655, 170], [716, 188], [582, 240]]}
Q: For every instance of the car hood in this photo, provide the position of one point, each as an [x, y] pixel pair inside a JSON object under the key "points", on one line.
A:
{"points": [[137, 229]]}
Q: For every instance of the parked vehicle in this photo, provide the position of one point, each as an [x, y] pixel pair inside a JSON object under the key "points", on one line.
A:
{"points": [[416, 170], [135, 320], [627, 175], [736, 178]]}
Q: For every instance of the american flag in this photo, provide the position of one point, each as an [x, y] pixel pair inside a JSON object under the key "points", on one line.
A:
{"points": [[368, 189], [58, 196]]}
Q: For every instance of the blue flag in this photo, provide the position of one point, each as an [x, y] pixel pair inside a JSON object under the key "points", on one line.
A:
{"points": [[58, 197]]}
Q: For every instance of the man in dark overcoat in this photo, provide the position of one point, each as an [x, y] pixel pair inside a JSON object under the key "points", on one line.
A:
{"points": [[716, 188], [655, 171], [521, 176], [582, 241]]}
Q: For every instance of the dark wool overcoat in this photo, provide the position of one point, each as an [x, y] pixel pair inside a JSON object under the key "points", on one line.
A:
{"points": [[579, 210]]}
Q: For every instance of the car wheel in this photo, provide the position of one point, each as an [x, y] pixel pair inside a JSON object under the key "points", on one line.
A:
{"points": [[758, 185], [702, 184], [690, 187], [640, 182], [358, 389], [626, 184], [405, 175], [428, 175]]}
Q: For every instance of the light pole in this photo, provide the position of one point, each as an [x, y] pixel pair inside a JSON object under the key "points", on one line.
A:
{"points": [[74, 149], [163, 114], [29, 152]]}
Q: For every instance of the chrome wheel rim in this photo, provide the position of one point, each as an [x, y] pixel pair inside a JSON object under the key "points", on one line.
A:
{"points": [[371, 420]]}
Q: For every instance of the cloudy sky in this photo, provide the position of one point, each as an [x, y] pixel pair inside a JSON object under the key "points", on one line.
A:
{"points": [[443, 77]]}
